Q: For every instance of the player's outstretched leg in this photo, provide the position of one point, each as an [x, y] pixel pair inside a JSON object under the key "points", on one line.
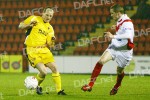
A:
{"points": [[40, 77], [39, 90], [57, 81], [61, 92], [94, 75], [118, 84]]}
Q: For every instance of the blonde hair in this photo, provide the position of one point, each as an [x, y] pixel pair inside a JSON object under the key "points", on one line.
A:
{"points": [[46, 8]]}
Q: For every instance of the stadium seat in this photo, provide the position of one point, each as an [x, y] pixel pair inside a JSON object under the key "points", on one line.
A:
{"points": [[89, 28], [56, 29], [86, 11], [10, 38], [69, 4], [65, 20], [67, 37], [9, 21], [106, 12], [7, 30], [67, 12], [8, 5], [62, 4], [74, 37], [3, 4], [91, 20], [20, 49], [144, 21], [22, 38], [140, 48], [135, 39], [14, 47], [50, 3], [99, 11], [6, 12], [71, 20], [61, 38], [79, 12], [8, 47], [53, 21], [73, 12], [12, 13], [148, 39], [15, 21], [63, 29], [17, 38], [105, 46], [103, 19], [14, 5], [38, 4], [142, 39], [82, 28], [85, 49], [143, 27], [135, 49], [2, 47], [120, 2], [21, 5], [19, 31], [98, 49], [84, 20], [61, 13], [30, 4], [76, 29], [92, 48], [1, 29], [58, 20], [5, 38], [69, 29], [137, 21], [92, 11], [147, 49], [133, 2], [136, 27], [44, 3], [77, 20]]}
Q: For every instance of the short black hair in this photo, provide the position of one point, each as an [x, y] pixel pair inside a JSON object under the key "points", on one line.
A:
{"points": [[117, 8]]}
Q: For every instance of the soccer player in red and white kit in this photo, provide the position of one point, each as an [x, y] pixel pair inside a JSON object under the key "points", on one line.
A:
{"points": [[120, 48]]}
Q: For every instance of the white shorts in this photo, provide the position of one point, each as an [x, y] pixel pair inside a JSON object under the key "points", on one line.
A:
{"points": [[122, 57]]}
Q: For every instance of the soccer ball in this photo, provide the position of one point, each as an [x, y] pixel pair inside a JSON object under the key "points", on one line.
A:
{"points": [[31, 82]]}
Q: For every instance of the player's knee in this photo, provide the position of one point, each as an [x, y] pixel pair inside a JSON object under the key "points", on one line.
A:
{"points": [[119, 73], [119, 70], [54, 70], [44, 73]]}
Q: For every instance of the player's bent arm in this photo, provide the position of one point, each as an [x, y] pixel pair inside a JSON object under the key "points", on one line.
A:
{"points": [[126, 35], [22, 25], [127, 32]]}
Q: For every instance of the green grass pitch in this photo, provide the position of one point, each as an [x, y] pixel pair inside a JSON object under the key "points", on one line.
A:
{"points": [[133, 88]]}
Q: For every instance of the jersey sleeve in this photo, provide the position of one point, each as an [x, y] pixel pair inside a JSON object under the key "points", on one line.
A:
{"points": [[28, 20]]}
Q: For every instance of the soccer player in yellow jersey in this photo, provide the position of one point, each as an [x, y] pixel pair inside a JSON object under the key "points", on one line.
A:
{"points": [[39, 37]]}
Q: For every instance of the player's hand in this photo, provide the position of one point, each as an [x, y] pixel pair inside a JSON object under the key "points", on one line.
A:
{"points": [[53, 38], [113, 27], [53, 41], [108, 35], [33, 23]]}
